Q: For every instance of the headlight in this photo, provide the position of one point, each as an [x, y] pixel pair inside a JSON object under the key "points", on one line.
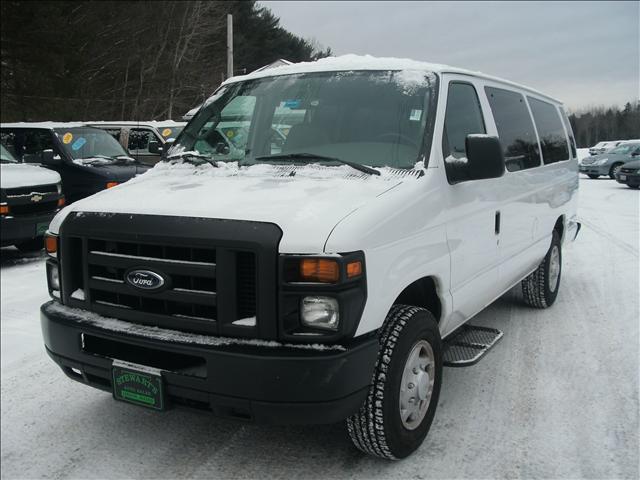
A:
{"points": [[59, 187], [601, 162], [320, 312], [53, 274]]}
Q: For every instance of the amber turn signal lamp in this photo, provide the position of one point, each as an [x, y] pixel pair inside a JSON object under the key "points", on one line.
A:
{"points": [[4, 209], [354, 269], [61, 202], [51, 244], [112, 184], [319, 270]]}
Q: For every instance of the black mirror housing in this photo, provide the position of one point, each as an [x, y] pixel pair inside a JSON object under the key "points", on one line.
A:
{"points": [[222, 148], [154, 147], [485, 158], [48, 157]]}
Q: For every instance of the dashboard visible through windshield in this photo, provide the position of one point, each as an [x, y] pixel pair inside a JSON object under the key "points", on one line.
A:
{"points": [[372, 118]]}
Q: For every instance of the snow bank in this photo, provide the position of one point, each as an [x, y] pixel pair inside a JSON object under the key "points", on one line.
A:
{"points": [[166, 335]]}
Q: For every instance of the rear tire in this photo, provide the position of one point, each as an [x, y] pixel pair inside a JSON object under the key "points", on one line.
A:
{"points": [[635, 187], [540, 288], [31, 246], [593, 176], [615, 168], [401, 403]]}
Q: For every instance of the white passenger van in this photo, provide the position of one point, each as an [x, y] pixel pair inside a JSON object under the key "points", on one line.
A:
{"points": [[326, 269]]}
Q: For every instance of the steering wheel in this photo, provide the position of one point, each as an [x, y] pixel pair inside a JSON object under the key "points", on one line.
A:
{"points": [[399, 136]]}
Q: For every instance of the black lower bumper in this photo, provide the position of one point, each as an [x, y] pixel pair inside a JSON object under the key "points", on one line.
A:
{"points": [[259, 383], [20, 229], [628, 178]]}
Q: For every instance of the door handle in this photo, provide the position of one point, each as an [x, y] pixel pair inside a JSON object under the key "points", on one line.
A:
{"points": [[497, 222]]}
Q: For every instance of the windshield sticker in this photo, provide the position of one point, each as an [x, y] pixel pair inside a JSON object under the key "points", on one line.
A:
{"points": [[166, 132], [291, 103], [78, 144], [415, 115], [67, 137], [230, 133]]}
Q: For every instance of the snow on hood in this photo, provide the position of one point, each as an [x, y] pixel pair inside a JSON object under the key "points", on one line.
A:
{"points": [[305, 202], [15, 175]]}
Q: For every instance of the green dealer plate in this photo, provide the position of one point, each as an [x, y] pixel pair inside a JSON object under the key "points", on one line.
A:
{"points": [[41, 228], [138, 385]]}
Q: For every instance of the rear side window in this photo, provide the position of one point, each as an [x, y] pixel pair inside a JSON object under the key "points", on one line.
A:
{"points": [[515, 129], [463, 117], [35, 142], [567, 126], [550, 131]]}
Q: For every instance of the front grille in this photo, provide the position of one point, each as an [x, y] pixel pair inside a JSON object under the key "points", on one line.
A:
{"points": [[628, 170], [220, 276], [32, 190], [33, 208]]}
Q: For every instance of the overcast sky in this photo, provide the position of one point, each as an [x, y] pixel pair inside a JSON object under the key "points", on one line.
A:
{"points": [[584, 53]]}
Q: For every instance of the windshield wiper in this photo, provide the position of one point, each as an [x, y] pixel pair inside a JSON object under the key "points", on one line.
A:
{"points": [[313, 156], [191, 156]]}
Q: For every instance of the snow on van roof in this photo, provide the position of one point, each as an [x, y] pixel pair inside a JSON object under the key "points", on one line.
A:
{"points": [[54, 125], [368, 62], [149, 123]]}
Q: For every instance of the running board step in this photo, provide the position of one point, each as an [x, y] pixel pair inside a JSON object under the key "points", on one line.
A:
{"points": [[468, 345]]}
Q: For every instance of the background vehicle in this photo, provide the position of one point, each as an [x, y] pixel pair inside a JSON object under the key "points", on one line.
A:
{"points": [[629, 174], [144, 141], [603, 147], [340, 266], [87, 159], [29, 198], [610, 162]]}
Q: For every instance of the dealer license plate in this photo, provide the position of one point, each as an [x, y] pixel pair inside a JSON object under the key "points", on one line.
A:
{"points": [[622, 177], [138, 384]]}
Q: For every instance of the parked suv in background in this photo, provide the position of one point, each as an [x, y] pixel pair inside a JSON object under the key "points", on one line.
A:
{"points": [[87, 159], [610, 162], [144, 141], [325, 270], [29, 198]]}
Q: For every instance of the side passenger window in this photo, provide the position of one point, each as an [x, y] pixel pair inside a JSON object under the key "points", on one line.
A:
{"points": [[139, 140], [35, 142], [515, 129], [463, 117], [550, 131]]}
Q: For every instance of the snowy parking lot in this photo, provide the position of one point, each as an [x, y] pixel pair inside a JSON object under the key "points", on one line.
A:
{"points": [[556, 398]]}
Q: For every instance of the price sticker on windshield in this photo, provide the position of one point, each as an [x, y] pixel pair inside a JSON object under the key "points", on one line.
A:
{"points": [[166, 132], [67, 137]]}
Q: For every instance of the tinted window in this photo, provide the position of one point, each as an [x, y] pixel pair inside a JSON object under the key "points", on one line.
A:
{"points": [[515, 129], [35, 142], [567, 126], [139, 139], [463, 117], [550, 131]]}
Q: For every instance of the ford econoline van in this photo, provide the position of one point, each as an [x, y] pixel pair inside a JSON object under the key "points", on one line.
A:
{"points": [[326, 267], [88, 159]]}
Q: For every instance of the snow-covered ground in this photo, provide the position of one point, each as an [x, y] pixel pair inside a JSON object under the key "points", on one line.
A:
{"points": [[556, 398]]}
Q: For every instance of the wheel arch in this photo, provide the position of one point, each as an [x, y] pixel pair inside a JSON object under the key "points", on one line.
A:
{"points": [[560, 227], [422, 292]]}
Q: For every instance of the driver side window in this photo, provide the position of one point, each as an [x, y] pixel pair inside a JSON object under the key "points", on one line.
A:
{"points": [[463, 117]]}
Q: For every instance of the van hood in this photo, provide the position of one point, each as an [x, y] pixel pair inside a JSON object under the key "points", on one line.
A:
{"points": [[305, 202], [15, 175], [118, 172]]}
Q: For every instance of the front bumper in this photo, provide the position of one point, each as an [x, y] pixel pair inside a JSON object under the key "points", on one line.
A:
{"points": [[23, 228], [265, 384], [594, 169]]}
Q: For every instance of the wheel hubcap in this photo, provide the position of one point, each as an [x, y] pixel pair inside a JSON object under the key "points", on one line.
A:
{"points": [[554, 268], [417, 385]]}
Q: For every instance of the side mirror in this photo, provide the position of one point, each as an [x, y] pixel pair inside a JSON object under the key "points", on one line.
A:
{"points": [[485, 158], [154, 147], [222, 148], [48, 158], [636, 153]]}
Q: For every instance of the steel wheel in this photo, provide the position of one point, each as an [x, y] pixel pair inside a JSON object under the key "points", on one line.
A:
{"points": [[554, 268], [416, 387]]}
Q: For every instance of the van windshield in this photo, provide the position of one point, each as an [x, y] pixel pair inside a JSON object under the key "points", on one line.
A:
{"points": [[624, 148], [91, 146], [5, 156], [372, 118]]}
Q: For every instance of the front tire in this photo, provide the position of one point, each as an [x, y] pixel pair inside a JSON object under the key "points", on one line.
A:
{"points": [[540, 288], [615, 168], [401, 403], [633, 186], [593, 176]]}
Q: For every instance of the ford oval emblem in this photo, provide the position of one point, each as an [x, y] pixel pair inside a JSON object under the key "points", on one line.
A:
{"points": [[144, 279]]}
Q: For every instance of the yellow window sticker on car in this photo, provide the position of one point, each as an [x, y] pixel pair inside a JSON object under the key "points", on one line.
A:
{"points": [[230, 133], [67, 137], [166, 132]]}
